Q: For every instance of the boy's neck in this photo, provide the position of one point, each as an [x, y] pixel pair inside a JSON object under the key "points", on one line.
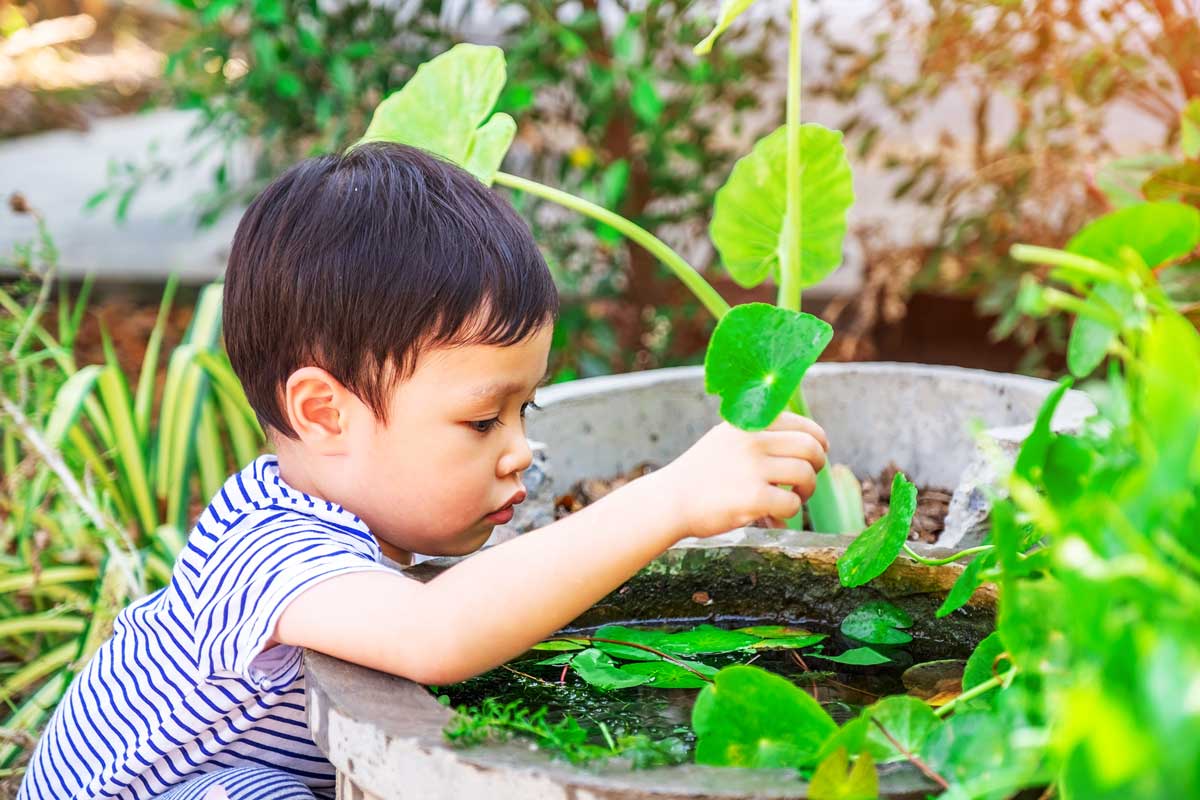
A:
{"points": [[294, 473]]}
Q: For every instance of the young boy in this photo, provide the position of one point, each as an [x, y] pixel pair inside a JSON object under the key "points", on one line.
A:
{"points": [[390, 318]]}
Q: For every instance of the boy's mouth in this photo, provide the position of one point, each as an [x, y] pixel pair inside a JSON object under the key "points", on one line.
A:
{"points": [[505, 512]]}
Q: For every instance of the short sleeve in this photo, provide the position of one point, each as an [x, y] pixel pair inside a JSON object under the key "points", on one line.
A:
{"points": [[247, 580]]}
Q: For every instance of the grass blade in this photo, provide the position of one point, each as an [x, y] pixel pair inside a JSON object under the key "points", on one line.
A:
{"points": [[144, 397]]}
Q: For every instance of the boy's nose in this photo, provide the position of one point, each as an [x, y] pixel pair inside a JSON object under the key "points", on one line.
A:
{"points": [[517, 458]]}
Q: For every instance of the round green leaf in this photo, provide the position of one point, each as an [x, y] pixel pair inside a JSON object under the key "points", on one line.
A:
{"points": [[908, 719], [757, 357], [445, 108], [751, 718], [748, 211], [877, 547]]}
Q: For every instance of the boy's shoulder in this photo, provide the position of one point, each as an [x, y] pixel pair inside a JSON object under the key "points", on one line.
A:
{"points": [[256, 517]]}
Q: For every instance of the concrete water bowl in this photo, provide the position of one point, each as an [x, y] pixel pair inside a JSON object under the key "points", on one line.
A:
{"points": [[383, 733]]}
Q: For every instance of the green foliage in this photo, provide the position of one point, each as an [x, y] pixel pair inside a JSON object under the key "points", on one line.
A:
{"points": [[856, 656], [730, 10], [103, 477], [757, 358], [749, 717]]}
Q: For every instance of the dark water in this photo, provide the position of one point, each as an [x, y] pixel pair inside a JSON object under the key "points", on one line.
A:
{"points": [[660, 713]]}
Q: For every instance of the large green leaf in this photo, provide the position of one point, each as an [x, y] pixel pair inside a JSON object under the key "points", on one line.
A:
{"points": [[1159, 232], [446, 108], [878, 622], [857, 657], [756, 359], [968, 581], [730, 10], [707, 639], [751, 718], [877, 547], [748, 211]]}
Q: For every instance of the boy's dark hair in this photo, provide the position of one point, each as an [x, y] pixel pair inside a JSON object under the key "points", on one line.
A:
{"points": [[359, 261]]}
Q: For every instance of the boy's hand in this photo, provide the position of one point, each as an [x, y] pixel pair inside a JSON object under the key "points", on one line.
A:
{"points": [[732, 477]]}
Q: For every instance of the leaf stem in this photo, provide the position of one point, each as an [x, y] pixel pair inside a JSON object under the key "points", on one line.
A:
{"points": [[789, 272], [1082, 266], [913, 758], [975, 691], [686, 273], [950, 559]]}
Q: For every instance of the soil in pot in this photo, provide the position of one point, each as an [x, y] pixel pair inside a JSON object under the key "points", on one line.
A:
{"points": [[927, 525]]}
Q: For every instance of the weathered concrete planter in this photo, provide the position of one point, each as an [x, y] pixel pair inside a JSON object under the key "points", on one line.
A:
{"points": [[384, 733]]}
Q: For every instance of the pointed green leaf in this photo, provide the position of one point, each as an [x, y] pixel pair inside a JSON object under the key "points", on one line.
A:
{"points": [[858, 656], [1032, 457], [730, 10], [878, 622], [757, 357], [68, 402], [781, 637], [446, 108], [985, 662], [1090, 337], [144, 395], [751, 718], [968, 581], [748, 211], [877, 547]]}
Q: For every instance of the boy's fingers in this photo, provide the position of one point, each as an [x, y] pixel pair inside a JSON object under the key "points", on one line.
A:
{"points": [[795, 445], [787, 421]]}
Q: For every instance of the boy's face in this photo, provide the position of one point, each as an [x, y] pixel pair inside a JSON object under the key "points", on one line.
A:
{"points": [[452, 450]]}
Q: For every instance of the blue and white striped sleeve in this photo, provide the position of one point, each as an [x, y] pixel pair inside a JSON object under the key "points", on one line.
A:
{"points": [[247, 580]]}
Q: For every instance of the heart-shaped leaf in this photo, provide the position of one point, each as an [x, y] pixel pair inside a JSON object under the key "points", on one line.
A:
{"points": [[749, 717], [748, 211], [781, 637], [598, 669], [446, 108], [708, 639], [877, 622], [877, 547], [730, 10], [757, 357]]}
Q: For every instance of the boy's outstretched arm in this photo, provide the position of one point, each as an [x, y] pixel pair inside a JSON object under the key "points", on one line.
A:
{"points": [[496, 604]]}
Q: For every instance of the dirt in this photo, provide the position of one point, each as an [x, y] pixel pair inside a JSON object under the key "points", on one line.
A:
{"points": [[928, 522]]}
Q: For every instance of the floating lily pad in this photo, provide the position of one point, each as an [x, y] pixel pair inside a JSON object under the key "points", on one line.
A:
{"points": [[878, 622], [598, 669], [756, 359]]}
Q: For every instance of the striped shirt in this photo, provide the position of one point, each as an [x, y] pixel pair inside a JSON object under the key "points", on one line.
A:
{"points": [[184, 686]]}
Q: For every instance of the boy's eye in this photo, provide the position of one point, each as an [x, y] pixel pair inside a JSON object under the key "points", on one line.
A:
{"points": [[486, 425]]}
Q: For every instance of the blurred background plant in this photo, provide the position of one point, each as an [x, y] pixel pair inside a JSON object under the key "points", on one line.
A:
{"points": [[99, 483], [1036, 82]]}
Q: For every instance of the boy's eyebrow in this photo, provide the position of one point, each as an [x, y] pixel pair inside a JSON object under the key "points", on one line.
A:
{"points": [[491, 391]]}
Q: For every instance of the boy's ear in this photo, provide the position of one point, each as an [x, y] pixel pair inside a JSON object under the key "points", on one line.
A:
{"points": [[317, 406]]}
